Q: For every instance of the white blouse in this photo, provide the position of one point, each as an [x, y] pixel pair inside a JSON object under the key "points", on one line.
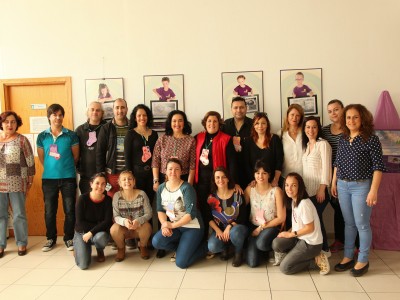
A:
{"points": [[292, 154]]}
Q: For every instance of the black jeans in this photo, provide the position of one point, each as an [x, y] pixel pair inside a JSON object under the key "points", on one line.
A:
{"points": [[51, 189]]}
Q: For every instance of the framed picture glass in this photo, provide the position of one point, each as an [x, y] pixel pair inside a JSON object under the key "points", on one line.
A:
{"points": [[161, 109], [309, 104]]}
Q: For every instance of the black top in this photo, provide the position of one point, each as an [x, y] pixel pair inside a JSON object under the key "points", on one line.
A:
{"points": [[133, 147], [333, 139], [91, 216]]}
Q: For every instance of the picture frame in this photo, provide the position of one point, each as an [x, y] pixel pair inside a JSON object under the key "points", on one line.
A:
{"points": [[161, 109], [230, 89], [306, 83], [309, 104], [108, 108], [252, 103], [390, 141], [175, 84], [159, 125]]}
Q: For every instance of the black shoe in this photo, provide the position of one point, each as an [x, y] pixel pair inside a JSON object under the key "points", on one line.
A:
{"points": [[344, 267], [224, 255], [237, 260], [360, 272], [160, 253]]}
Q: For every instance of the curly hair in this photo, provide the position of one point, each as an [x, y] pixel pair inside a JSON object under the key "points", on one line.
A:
{"points": [[132, 119], [212, 114], [231, 183], [254, 135], [367, 121], [6, 114], [290, 108], [305, 139], [187, 127]]}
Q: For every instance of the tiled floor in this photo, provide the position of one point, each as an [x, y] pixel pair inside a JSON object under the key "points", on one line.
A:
{"points": [[53, 275]]}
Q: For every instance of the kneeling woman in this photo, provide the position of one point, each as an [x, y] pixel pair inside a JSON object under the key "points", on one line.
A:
{"points": [[267, 214], [181, 223], [227, 217], [132, 211], [301, 247], [93, 221]]}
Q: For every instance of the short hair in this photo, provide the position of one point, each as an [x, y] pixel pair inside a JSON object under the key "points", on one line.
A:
{"points": [[300, 73], [231, 183], [53, 109], [290, 108], [241, 76], [336, 101], [212, 114], [4, 115], [126, 172], [236, 99], [133, 122], [261, 164], [187, 127], [101, 106], [120, 99], [174, 160], [165, 79], [97, 175], [304, 136], [367, 121], [301, 191], [254, 134]]}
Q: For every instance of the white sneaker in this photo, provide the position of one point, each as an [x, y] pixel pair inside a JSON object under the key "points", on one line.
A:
{"points": [[327, 253], [279, 256], [323, 264], [70, 245]]}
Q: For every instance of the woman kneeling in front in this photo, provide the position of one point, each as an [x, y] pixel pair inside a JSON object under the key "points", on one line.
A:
{"points": [[181, 223], [301, 247]]}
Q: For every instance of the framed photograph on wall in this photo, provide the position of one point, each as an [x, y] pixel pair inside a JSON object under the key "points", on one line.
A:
{"points": [[244, 84], [309, 104], [161, 109], [159, 125], [302, 83], [164, 88], [252, 103], [104, 90]]}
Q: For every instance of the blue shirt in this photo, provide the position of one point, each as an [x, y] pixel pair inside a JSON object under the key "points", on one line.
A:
{"points": [[358, 160], [64, 166]]}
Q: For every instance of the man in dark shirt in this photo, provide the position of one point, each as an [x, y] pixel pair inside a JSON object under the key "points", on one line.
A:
{"points": [[239, 127]]}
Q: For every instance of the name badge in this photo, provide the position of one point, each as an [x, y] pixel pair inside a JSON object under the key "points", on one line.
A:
{"points": [[54, 151], [92, 138], [146, 153]]}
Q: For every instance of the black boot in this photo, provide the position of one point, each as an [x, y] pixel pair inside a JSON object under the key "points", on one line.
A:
{"points": [[237, 260]]}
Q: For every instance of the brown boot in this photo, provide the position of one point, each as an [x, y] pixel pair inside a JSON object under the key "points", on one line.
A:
{"points": [[120, 255], [144, 252], [100, 255]]}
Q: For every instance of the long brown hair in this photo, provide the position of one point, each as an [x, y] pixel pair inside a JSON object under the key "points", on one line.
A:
{"points": [[297, 107], [254, 135], [367, 121], [301, 191]]}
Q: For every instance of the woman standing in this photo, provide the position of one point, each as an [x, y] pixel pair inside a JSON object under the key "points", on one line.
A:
{"points": [[139, 145], [17, 168], [181, 224], [356, 179], [317, 169], [266, 146], [227, 217], [267, 214], [93, 221], [297, 249], [132, 211]]}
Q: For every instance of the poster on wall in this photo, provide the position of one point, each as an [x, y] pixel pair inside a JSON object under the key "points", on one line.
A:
{"points": [[246, 84], [104, 90], [164, 89], [390, 140], [303, 87]]}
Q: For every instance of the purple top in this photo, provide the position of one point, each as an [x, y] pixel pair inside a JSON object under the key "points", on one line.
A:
{"points": [[243, 91], [301, 91], [165, 95]]}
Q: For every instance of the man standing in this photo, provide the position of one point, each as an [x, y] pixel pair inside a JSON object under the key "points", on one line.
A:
{"points": [[239, 127], [58, 151], [88, 134], [110, 145]]}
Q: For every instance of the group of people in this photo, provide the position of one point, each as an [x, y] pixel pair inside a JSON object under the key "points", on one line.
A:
{"points": [[235, 189]]}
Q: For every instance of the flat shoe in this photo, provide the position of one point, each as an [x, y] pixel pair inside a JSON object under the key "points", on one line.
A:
{"points": [[1, 253], [360, 272], [22, 252], [344, 267]]}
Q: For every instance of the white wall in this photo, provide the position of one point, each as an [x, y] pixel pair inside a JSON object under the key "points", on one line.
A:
{"points": [[355, 42]]}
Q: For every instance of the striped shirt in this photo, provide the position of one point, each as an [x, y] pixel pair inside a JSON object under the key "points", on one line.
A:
{"points": [[333, 139]]}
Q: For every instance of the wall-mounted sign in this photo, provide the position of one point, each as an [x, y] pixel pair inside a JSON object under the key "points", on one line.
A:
{"points": [[38, 106]]}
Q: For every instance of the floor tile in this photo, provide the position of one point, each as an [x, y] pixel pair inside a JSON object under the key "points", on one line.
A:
{"points": [[26, 262], [3, 286], [204, 280], [156, 279], [298, 295], [198, 294], [134, 264], [80, 278], [120, 279], [297, 282], [378, 266], [343, 296], [71, 292], [153, 293], [247, 294], [10, 275], [22, 292], [336, 282], [253, 281], [57, 262], [380, 283], [393, 264], [245, 268], [384, 296], [41, 277], [387, 254], [165, 265], [107, 293], [209, 265]]}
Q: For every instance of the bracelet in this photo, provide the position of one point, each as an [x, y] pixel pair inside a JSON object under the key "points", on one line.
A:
{"points": [[261, 228], [155, 180]]}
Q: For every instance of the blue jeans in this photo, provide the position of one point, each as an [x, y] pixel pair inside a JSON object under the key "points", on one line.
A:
{"points": [[262, 242], [238, 235], [187, 242], [83, 250], [356, 214], [51, 189], [20, 224], [320, 207]]}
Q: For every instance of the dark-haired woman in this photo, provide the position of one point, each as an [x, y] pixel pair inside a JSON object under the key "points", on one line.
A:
{"points": [[317, 170], [227, 218], [267, 213], [356, 179], [93, 221], [17, 168], [300, 248], [139, 145], [266, 146]]}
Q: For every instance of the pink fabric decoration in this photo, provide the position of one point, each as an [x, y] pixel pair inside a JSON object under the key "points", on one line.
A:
{"points": [[386, 116]]}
